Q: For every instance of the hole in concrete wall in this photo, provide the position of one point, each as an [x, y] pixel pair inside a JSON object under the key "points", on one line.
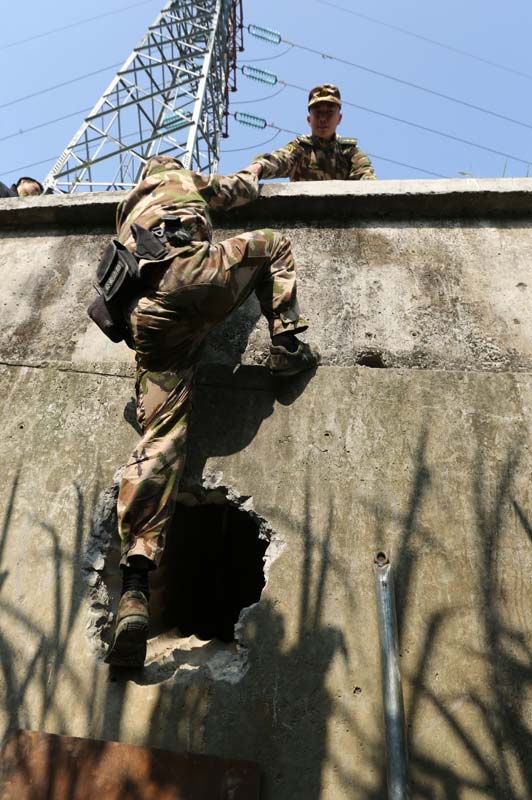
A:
{"points": [[371, 358], [213, 567]]}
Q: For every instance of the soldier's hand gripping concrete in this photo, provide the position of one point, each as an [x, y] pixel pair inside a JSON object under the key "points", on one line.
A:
{"points": [[321, 156], [163, 287]]}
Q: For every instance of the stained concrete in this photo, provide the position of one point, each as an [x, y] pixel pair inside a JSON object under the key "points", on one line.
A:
{"points": [[469, 198], [445, 293], [431, 464]]}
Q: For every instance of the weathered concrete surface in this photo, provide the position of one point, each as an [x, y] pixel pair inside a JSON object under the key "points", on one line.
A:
{"points": [[431, 464], [340, 200], [446, 294]]}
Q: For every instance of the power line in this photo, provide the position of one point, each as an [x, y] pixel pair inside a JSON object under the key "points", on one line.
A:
{"points": [[44, 124], [74, 24], [409, 166], [123, 138], [253, 146], [399, 119], [59, 85], [410, 84], [373, 155], [425, 128], [428, 39], [27, 166], [286, 130], [260, 99], [270, 58]]}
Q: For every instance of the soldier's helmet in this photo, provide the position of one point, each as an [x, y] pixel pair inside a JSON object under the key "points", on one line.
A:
{"points": [[326, 93]]}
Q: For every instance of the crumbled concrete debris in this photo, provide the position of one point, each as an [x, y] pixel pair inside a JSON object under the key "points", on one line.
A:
{"points": [[103, 528], [170, 655], [177, 658]]}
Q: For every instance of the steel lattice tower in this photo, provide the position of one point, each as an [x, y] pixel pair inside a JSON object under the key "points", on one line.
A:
{"points": [[170, 96]]}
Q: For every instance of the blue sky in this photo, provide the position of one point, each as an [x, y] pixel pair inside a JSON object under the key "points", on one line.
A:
{"points": [[490, 31]]}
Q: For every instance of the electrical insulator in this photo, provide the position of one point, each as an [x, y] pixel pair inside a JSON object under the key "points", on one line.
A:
{"points": [[261, 75], [173, 122], [266, 34], [250, 119]]}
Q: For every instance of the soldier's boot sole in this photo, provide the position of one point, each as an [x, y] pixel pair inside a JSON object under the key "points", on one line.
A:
{"points": [[129, 644], [287, 373], [284, 363]]}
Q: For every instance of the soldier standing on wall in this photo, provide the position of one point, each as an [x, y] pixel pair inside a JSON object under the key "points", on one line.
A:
{"points": [[163, 287], [323, 155]]}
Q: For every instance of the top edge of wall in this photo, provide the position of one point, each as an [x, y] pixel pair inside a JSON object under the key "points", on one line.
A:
{"points": [[330, 201]]}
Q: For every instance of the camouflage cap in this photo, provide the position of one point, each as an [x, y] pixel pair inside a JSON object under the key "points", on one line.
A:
{"points": [[326, 93]]}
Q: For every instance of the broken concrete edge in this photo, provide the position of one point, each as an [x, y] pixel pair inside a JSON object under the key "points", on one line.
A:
{"points": [[316, 200], [222, 665]]}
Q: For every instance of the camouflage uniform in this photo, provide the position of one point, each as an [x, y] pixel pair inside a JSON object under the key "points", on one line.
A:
{"points": [[193, 288], [309, 158]]}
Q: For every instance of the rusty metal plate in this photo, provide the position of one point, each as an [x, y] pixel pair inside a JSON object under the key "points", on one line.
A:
{"points": [[43, 766]]}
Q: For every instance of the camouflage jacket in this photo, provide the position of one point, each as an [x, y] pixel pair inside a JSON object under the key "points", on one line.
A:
{"points": [[309, 158], [166, 189]]}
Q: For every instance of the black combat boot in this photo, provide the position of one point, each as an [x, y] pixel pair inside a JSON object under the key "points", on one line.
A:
{"points": [[128, 648]]}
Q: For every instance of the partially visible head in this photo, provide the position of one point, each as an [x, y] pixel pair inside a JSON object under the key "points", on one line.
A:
{"points": [[156, 162], [324, 110], [28, 187]]}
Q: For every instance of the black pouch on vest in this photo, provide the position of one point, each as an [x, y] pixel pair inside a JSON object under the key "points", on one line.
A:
{"points": [[117, 280], [109, 318], [117, 270]]}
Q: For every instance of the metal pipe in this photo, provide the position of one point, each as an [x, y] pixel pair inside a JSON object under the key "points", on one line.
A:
{"points": [[394, 718]]}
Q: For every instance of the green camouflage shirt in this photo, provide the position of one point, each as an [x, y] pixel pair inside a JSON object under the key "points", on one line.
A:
{"points": [[309, 158], [166, 189]]}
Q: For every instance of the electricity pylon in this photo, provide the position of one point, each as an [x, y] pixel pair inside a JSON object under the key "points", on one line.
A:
{"points": [[170, 96]]}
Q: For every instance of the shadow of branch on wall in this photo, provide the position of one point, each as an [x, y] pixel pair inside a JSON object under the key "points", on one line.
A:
{"points": [[47, 685], [483, 720], [43, 687], [283, 699], [283, 711]]}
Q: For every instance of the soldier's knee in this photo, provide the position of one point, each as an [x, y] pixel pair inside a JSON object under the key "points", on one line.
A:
{"points": [[277, 241], [267, 234], [272, 243]]}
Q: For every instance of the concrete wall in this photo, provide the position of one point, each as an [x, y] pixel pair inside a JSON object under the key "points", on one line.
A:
{"points": [[428, 458]]}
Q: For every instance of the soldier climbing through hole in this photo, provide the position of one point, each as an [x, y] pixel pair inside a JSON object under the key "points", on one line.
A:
{"points": [[163, 286]]}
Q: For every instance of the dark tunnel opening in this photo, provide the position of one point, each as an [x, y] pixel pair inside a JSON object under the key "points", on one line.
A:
{"points": [[213, 567]]}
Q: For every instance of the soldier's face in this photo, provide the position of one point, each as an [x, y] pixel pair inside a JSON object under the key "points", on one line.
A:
{"points": [[28, 189], [323, 119]]}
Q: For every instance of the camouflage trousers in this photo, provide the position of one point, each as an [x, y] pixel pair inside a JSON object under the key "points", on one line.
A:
{"points": [[201, 286]]}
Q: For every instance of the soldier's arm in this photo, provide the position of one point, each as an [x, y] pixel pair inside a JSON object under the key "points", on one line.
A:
{"points": [[279, 163], [230, 191], [361, 167]]}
